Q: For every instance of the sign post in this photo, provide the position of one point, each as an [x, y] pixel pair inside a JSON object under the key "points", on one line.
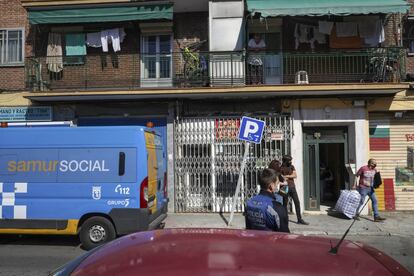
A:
{"points": [[251, 130]]}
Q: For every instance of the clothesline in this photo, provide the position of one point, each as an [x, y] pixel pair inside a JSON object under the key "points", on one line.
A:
{"points": [[109, 36], [371, 31], [76, 43]]}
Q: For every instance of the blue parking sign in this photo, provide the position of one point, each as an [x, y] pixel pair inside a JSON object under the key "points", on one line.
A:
{"points": [[251, 130]]}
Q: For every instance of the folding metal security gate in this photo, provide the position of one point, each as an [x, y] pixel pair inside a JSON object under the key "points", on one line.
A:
{"points": [[208, 156]]}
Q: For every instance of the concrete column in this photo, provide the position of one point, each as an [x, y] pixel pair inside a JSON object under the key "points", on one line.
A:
{"points": [[170, 157]]}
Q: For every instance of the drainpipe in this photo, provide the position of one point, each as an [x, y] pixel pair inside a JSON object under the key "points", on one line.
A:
{"points": [[399, 30]]}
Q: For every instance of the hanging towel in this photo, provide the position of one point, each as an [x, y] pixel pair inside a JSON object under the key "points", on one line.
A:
{"points": [[115, 39], [336, 42], [366, 24], [325, 27], [104, 40], [75, 45], [377, 37], [111, 36], [94, 40], [304, 34], [320, 37], [54, 58], [346, 29]]}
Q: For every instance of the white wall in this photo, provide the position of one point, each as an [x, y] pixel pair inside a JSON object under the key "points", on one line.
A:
{"points": [[358, 133], [226, 26]]}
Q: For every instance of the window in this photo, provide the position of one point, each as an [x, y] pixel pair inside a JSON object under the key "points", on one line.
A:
{"points": [[11, 46], [408, 36], [156, 60]]}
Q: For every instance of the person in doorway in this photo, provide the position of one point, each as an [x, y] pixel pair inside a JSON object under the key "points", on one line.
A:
{"points": [[256, 44], [288, 171], [326, 181], [263, 212], [366, 187]]}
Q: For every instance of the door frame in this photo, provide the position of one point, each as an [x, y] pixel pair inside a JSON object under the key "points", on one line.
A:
{"points": [[306, 169]]}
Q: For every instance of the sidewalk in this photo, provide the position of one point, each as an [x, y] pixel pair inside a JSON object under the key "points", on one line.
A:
{"points": [[397, 224]]}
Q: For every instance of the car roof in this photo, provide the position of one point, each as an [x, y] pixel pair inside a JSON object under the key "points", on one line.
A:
{"points": [[229, 252]]}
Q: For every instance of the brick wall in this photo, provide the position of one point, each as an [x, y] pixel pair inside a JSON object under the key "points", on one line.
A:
{"points": [[13, 15], [99, 69], [190, 27], [122, 70], [390, 29]]}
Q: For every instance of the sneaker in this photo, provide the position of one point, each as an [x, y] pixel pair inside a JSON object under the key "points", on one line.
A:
{"points": [[301, 221], [378, 218]]}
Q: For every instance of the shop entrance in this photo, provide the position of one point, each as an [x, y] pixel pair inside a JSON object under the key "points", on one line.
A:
{"points": [[325, 156]]}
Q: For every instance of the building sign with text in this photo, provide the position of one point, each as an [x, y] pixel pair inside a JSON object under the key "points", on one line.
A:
{"points": [[25, 113]]}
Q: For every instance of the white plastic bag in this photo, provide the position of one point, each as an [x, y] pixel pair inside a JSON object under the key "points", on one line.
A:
{"points": [[348, 203]]}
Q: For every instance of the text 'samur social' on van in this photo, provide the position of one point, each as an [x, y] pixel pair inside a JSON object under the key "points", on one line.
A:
{"points": [[98, 182]]}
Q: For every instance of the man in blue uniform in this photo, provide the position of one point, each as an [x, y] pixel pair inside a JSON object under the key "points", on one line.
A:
{"points": [[263, 212]]}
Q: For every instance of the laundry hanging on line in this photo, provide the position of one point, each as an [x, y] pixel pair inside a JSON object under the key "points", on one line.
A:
{"points": [[105, 37], [54, 59]]}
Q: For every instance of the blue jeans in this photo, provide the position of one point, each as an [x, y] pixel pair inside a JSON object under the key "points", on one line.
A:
{"points": [[368, 191]]}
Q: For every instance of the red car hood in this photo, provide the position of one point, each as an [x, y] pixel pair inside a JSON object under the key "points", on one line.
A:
{"points": [[233, 252]]}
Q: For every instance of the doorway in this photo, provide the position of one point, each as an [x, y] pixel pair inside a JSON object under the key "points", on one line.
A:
{"points": [[325, 156]]}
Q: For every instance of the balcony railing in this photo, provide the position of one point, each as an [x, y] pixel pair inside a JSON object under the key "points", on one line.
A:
{"points": [[212, 69], [365, 65]]}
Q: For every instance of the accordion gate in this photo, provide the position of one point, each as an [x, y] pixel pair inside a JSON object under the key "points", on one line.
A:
{"points": [[208, 157]]}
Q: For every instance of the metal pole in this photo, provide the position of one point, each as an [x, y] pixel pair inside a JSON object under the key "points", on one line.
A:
{"points": [[236, 194]]}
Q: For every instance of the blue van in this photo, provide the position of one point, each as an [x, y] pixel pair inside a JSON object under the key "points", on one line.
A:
{"points": [[97, 182]]}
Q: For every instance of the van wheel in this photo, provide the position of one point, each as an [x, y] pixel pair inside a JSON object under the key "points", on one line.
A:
{"points": [[96, 231]]}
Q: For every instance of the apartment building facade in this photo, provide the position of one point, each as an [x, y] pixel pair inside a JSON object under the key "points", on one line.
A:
{"points": [[326, 80]]}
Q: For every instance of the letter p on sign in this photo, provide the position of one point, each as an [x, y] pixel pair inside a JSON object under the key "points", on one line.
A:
{"points": [[251, 130]]}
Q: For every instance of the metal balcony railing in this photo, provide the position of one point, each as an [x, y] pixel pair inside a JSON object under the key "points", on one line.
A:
{"points": [[134, 71], [212, 69], [364, 65]]}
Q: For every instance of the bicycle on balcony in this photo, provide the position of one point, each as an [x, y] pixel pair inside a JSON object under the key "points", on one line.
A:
{"points": [[34, 78], [195, 69], [383, 66]]}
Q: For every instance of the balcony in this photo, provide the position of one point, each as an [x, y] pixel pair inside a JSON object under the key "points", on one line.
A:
{"points": [[212, 69]]}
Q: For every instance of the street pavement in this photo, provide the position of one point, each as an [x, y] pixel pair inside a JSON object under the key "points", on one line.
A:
{"points": [[395, 236], [397, 223]]}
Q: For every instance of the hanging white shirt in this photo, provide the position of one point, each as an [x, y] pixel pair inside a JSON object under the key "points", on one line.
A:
{"points": [[104, 40]]}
